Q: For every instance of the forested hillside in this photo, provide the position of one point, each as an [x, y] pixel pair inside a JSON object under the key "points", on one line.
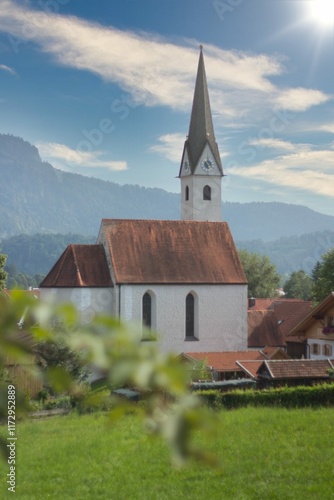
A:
{"points": [[36, 254], [274, 220], [293, 253], [37, 198]]}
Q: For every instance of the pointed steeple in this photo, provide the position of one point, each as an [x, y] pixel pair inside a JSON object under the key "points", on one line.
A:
{"points": [[201, 130], [201, 169]]}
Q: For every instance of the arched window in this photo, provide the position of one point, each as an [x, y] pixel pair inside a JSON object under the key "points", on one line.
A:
{"points": [[147, 310], [187, 193], [190, 315], [206, 193]]}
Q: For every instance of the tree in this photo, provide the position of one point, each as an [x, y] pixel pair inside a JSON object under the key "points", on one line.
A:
{"points": [[323, 275], [315, 271], [298, 286], [51, 354], [263, 279], [3, 274]]}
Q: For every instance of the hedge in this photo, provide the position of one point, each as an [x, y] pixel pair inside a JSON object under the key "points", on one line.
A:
{"points": [[284, 397]]}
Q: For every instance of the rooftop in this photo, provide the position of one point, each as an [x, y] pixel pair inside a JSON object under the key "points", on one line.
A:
{"points": [[226, 361], [297, 368], [158, 251], [79, 266], [312, 316], [271, 320]]}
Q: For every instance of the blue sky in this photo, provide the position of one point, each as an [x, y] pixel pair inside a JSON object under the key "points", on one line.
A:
{"points": [[104, 88]]}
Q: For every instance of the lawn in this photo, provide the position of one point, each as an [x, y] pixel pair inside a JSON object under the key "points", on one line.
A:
{"points": [[266, 454]]}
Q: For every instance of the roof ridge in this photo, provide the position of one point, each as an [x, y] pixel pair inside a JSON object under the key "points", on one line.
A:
{"points": [[295, 360], [178, 221], [64, 255], [81, 282]]}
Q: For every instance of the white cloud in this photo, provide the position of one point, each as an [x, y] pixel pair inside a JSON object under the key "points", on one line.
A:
{"points": [[170, 146], [3, 67], [276, 144], [71, 157], [305, 169], [154, 70], [300, 99], [327, 127]]}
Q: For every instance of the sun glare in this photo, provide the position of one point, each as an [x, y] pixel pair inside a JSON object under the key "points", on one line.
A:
{"points": [[322, 11]]}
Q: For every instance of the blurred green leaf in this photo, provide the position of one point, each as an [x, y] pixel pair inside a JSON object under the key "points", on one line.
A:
{"points": [[111, 348]]}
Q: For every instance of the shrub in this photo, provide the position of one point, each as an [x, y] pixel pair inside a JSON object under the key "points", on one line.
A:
{"points": [[56, 403], [284, 397], [211, 397], [86, 400]]}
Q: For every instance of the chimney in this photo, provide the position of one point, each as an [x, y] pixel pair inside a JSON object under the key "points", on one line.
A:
{"points": [[251, 302]]}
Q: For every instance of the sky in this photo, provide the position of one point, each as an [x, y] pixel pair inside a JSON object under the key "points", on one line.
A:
{"points": [[104, 88]]}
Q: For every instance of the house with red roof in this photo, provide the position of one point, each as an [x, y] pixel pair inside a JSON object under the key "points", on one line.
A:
{"points": [[278, 373], [231, 365], [313, 336], [267, 368], [271, 320]]}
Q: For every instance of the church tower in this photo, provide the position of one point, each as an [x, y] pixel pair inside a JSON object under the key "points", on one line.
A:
{"points": [[201, 169]]}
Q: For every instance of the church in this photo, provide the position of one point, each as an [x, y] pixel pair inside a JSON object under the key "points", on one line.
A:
{"points": [[182, 279]]}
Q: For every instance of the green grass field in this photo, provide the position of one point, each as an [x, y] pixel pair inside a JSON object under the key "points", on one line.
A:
{"points": [[266, 454]]}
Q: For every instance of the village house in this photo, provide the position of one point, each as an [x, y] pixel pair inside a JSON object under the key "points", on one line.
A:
{"points": [[271, 320], [231, 365], [270, 367], [181, 278], [278, 373], [313, 337]]}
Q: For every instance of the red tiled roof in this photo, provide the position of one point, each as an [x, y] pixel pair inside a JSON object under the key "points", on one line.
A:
{"points": [[290, 312], [80, 266], [297, 368], [264, 330], [226, 361], [250, 367], [275, 353], [270, 326], [155, 251], [262, 304]]}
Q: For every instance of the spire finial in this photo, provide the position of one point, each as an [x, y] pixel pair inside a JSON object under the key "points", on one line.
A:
{"points": [[201, 47]]}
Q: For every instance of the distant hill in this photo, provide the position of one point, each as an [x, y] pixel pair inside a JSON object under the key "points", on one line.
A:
{"points": [[293, 253], [37, 198], [270, 221], [36, 254]]}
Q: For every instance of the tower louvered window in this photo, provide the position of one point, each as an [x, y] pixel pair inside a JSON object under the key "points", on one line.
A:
{"points": [[187, 193]]}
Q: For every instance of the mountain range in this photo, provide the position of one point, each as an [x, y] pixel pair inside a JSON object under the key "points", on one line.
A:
{"points": [[37, 198]]}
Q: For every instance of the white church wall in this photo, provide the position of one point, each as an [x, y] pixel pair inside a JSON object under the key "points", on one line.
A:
{"points": [[221, 310], [89, 301]]}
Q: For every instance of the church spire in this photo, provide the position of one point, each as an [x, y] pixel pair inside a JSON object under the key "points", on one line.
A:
{"points": [[201, 130], [201, 169]]}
